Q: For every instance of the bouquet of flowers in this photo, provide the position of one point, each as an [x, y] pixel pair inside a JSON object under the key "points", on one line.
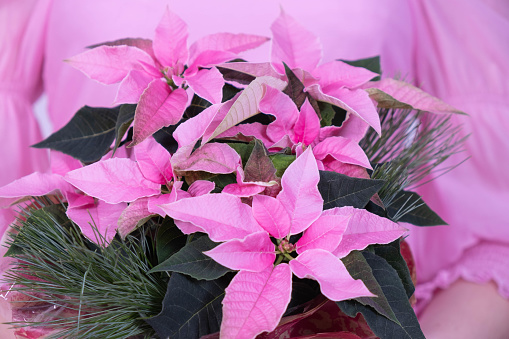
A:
{"points": [[224, 198]]}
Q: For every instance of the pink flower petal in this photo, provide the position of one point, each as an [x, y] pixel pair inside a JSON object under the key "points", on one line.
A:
{"points": [[335, 281], [353, 101], [35, 184], [207, 59], [110, 64], [62, 163], [229, 42], [207, 84], [285, 111], [300, 195], [114, 180], [271, 215], [336, 74], [248, 132], [294, 45], [154, 161], [222, 216], [255, 302], [325, 233], [201, 187], [170, 42], [307, 126], [193, 129], [102, 215], [342, 149], [246, 104], [243, 190], [132, 215], [132, 87], [364, 229], [353, 128], [254, 253], [211, 158], [415, 97], [158, 107], [218, 118], [354, 171]]}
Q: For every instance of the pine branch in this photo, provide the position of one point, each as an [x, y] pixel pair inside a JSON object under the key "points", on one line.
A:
{"points": [[94, 291], [413, 145]]}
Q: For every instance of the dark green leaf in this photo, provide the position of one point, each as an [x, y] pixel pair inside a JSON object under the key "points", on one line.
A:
{"points": [[259, 167], [191, 261], [331, 115], [169, 240], [392, 254], [375, 209], [372, 64], [421, 215], [393, 289], [281, 162], [165, 137], [340, 190], [232, 75], [197, 106], [221, 180], [295, 88], [229, 92], [303, 291], [191, 308], [359, 268], [243, 149], [87, 137], [124, 120]]}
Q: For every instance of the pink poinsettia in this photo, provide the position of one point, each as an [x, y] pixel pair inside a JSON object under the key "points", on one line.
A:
{"points": [[256, 241], [155, 75], [334, 82]]}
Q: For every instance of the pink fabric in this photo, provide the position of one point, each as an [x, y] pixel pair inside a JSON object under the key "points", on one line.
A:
{"points": [[457, 50], [22, 35], [462, 58]]}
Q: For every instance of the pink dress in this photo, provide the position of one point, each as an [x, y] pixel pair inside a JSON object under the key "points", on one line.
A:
{"points": [[455, 49]]}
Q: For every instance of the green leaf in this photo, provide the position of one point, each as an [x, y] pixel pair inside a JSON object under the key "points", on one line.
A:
{"points": [[303, 291], [372, 64], [191, 261], [243, 149], [87, 137], [359, 268], [191, 309], [198, 104], [232, 75], [281, 162], [331, 114], [388, 279], [169, 240], [417, 212], [221, 180], [392, 254], [340, 190], [295, 88], [124, 120], [259, 167], [229, 92], [165, 137]]}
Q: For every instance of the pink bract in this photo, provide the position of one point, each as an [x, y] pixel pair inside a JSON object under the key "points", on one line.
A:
{"points": [[297, 208]]}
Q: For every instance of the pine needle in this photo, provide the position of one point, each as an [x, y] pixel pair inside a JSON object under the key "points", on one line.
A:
{"points": [[95, 291], [413, 145]]}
